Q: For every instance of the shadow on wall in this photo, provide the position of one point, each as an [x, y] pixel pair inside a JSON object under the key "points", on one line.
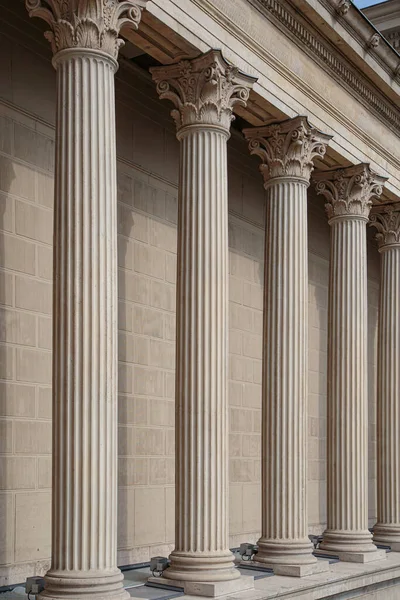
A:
{"points": [[318, 281], [246, 244], [373, 311], [146, 336], [317, 397], [7, 176], [125, 228]]}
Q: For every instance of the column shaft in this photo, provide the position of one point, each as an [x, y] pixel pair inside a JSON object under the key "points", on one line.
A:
{"points": [[204, 92], [387, 529], [287, 151], [85, 332], [347, 390], [284, 425], [84, 38], [349, 193], [201, 404]]}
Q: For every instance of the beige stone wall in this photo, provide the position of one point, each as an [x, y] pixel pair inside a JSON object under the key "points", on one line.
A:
{"points": [[26, 164], [147, 207]]}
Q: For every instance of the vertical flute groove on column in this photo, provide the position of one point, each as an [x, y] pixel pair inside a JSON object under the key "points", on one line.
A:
{"points": [[287, 150], [349, 193], [284, 363], [204, 91], [387, 528], [85, 44], [201, 349], [347, 375], [84, 328]]}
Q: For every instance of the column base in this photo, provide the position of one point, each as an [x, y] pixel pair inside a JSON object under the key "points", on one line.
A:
{"points": [[82, 585], [281, 553], [350, 546], [338, 541], [199, 566], [319, 566], [209, 589], [387, 535]]}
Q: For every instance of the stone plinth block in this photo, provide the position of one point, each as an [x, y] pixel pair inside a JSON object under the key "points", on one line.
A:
{"points": [[209, 589], [287, 570]]}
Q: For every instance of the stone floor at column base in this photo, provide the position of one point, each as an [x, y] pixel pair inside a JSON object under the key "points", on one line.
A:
{"points": [[395, 547], [209, 589], [295, 570], [372, 581]]}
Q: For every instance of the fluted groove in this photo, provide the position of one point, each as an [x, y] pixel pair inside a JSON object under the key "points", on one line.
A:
{"points": [[284, 424], [85, 332], [201, 376], [347, 529], [387, 529]]}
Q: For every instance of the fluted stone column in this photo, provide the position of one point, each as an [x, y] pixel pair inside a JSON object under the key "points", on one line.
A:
{"points": [[349, 194], [387, 529], [204, 91], [287, 151], [84, 39]]}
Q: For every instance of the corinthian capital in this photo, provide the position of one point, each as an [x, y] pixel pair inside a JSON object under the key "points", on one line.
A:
{"points": [[92, 24], [386, 219], [349, 191], [204, 90], [287, 149]]}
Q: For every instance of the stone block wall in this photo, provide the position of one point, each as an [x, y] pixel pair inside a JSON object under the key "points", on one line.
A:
{"points": [[147, 215], [26, 199]]}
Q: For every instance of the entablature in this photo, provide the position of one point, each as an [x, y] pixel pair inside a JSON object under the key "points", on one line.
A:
{"points": [[321, 81], [302, 68]]}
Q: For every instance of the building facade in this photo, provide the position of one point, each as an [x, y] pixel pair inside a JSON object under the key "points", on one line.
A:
{"points": [[200, 263]]}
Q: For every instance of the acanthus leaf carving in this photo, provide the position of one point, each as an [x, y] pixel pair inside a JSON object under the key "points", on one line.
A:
{"points": [[288, 148], [386, 220], [204, 90], [349, 191], [91, 24]]}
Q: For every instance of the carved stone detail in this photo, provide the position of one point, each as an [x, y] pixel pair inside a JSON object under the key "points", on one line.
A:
{"points": [[349, 191], [374, 41], [287, 149], [92, 24], [327, 56], [387, 222], [343, 7], [204, 90]]}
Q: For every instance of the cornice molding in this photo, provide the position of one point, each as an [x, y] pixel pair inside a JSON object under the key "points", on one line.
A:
{"points": [[331, 59], [241, 34], [361, 31]]}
